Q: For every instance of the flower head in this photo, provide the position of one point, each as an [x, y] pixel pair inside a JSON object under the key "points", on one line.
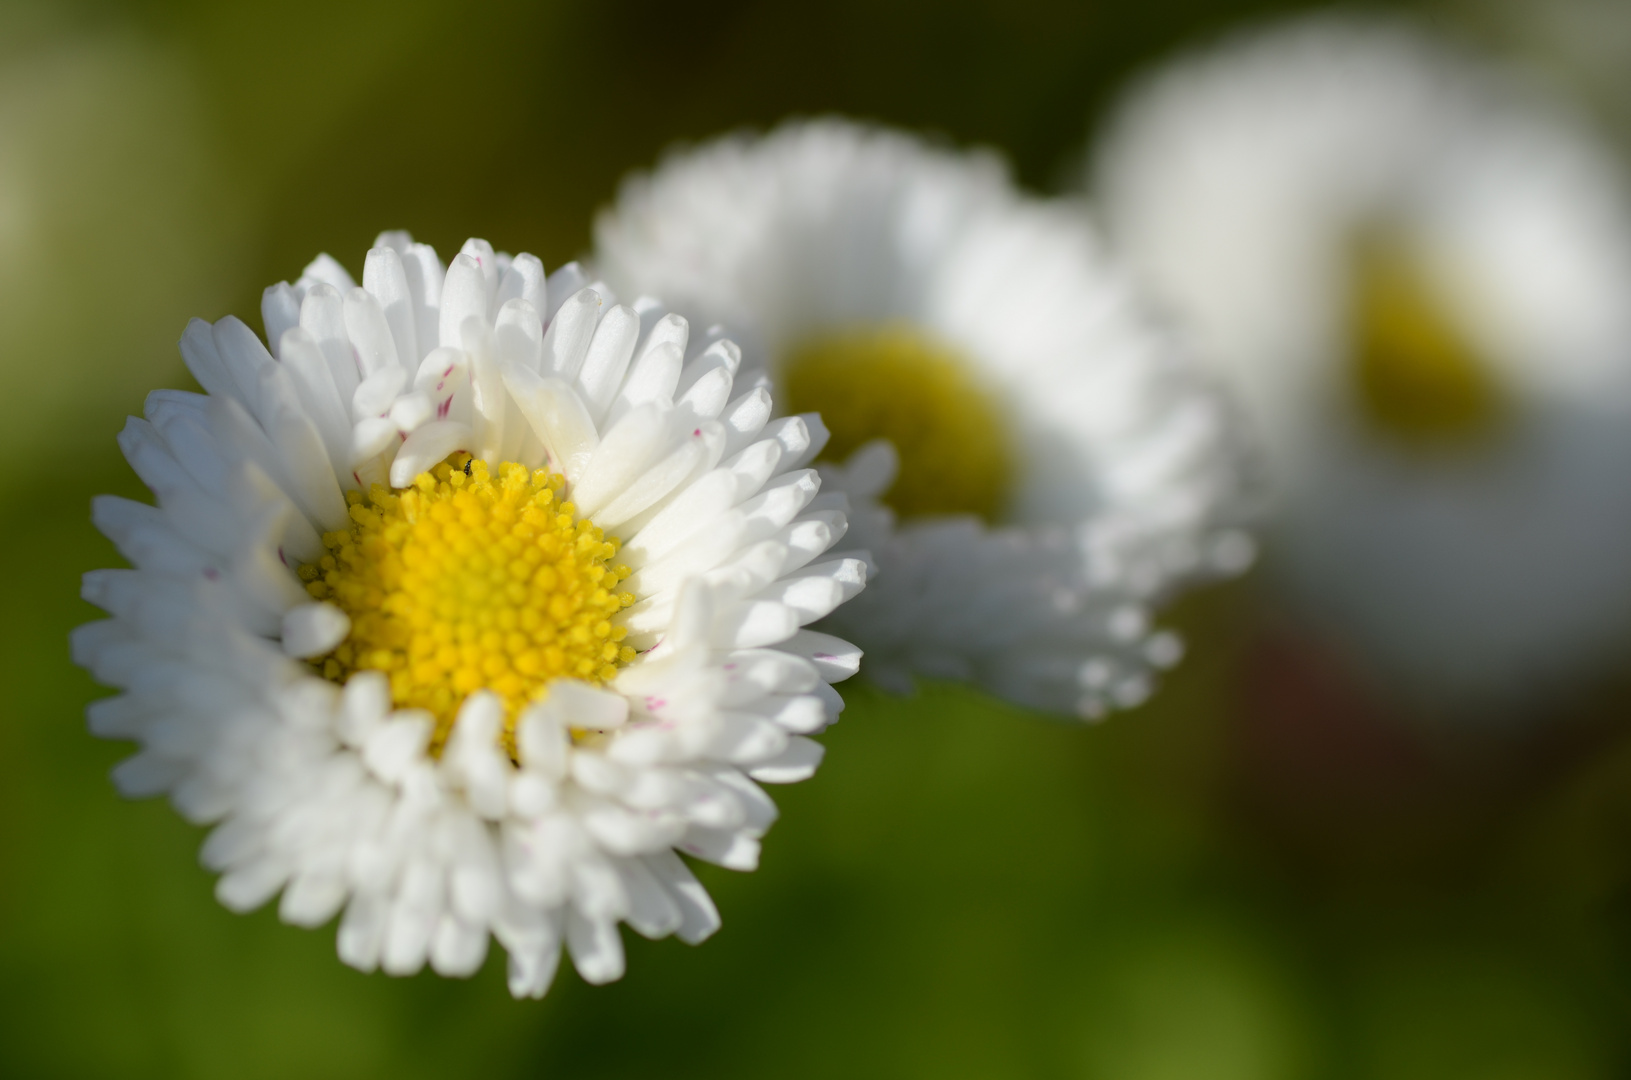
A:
{"points": [[466, 608], [1039, 462], [1414, 271]]}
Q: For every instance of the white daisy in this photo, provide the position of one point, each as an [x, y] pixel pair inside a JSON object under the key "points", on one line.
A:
{"points": [[1416, 272], [454, 705], [1060, 465]]}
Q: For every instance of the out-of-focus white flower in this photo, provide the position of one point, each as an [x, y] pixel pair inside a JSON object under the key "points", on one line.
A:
{"points": [[429, 689], [1417, 272], [1055, 462]]}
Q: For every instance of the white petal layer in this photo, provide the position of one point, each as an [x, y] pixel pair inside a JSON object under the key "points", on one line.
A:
{"points": [[330, 795], [1484, 576], [1134, 483]]}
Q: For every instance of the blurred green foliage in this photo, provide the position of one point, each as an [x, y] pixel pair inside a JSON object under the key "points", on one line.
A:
{"points": [[964, 889]]}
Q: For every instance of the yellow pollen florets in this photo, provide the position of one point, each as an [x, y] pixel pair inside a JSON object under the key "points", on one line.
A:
{"points": [[465, 581], [896, 382], [1418, 375]]}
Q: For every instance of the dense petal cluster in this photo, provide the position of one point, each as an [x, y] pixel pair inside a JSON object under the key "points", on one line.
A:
{"points": [[1003, 607], [1122, 478], [1414, 271], [543, 811]]}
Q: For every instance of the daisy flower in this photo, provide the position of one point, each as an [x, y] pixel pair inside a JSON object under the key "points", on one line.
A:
{"points": [[1031, 461], [1415, 270], [382, 633]]}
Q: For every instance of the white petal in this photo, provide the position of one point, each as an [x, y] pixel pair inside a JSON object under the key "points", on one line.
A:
{"points": [[364, 705], [567, 340], [371, 438], [523, 280], [247, 887], [243, 356], [444, 377], [706, 400], [492, 265], [608, 358], [519, 335], [386, 280], [458, 948], [398, 744], [542, 741], [312, 899], [412, 920], [754, 623], [370, 334], [322, 315], [732, 850], [835, 658], [579, 705], [797, 762], [464, 296], [473, 756], [376, 393], [314, 383], [652, 911], [597, 950], [558, 417], [531, 795], [146, 774], [488, 402], [280, 312], [425, 274], [744, 738], [745, 418], [531, 970], [410, 411], [362, 932], [800, 714], [326, 270], [625, 451], [700, 917], [313, 629], [652, 486], [793, 432], [565, 282], [306, 463], [426, 448], [651, 378]]}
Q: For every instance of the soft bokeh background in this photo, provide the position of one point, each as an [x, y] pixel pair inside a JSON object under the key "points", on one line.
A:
{"points": [[1257, 876]]}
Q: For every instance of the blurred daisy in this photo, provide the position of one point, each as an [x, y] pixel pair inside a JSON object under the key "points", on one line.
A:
{"points": [[1053, 462], [381, 631], [1417, 273]]}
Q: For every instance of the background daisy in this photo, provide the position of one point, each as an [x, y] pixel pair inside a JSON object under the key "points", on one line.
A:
{"points": [[1413, 267], [1056, 466]]}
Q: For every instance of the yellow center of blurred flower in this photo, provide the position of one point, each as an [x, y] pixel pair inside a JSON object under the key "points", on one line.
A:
{"points": [[894, 382], [1418, 377], [464, 581]]}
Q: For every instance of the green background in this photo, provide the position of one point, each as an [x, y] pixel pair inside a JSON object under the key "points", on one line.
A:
{"points": [[1255, 876]]}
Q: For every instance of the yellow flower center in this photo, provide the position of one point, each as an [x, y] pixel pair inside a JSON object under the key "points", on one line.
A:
{"points": [[1418, 377], [464, 582], [896, 383]]}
